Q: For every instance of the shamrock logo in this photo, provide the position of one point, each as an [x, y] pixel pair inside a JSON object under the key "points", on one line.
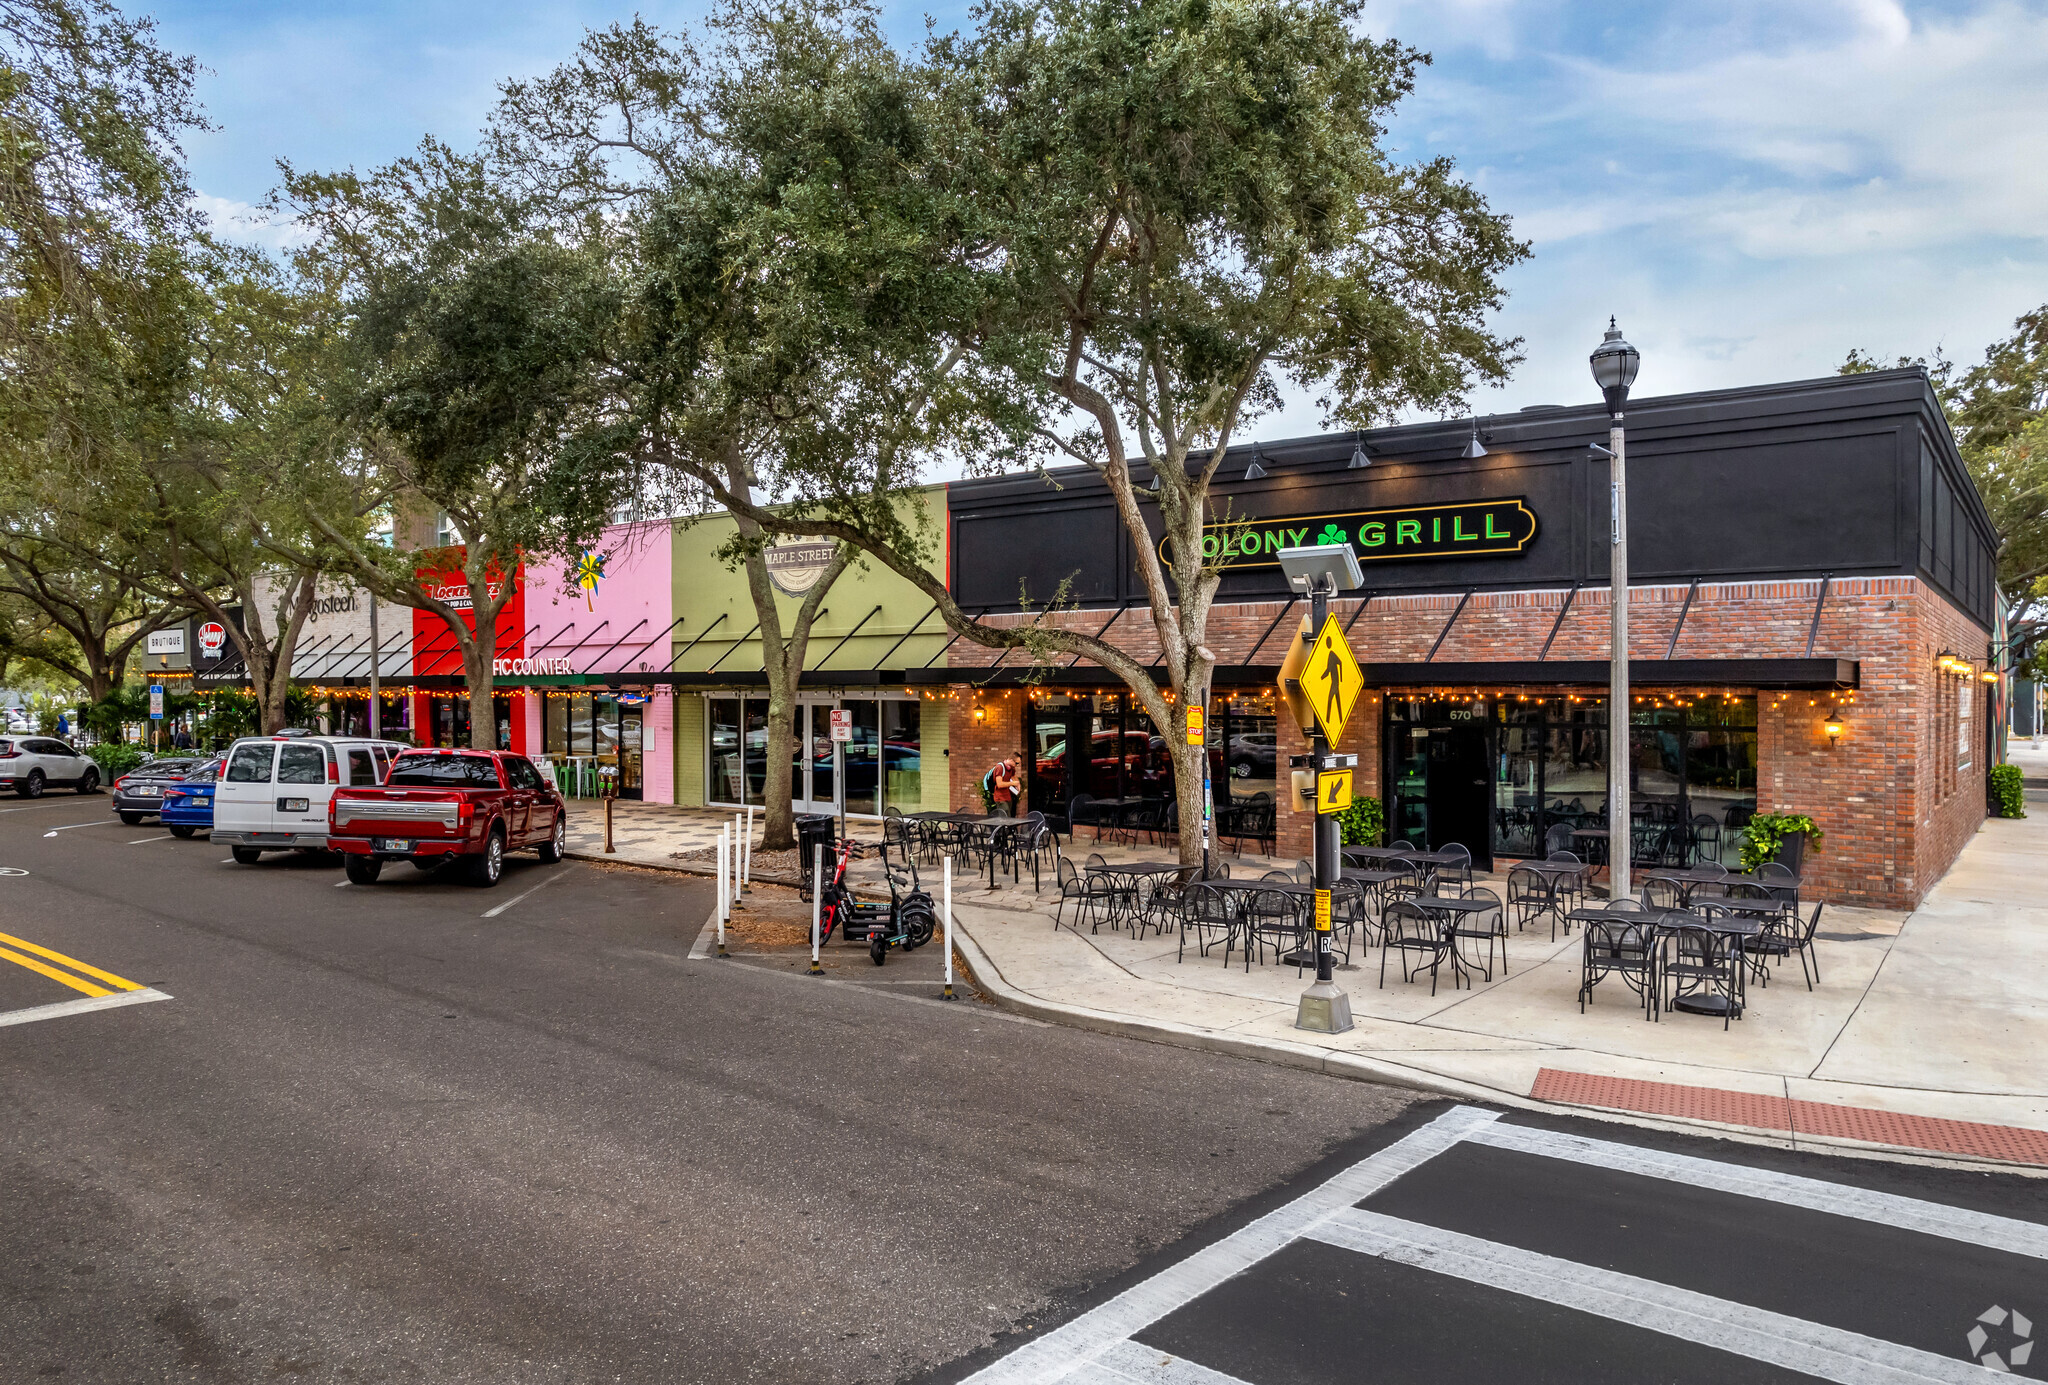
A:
{"points": [[1332, 534]]}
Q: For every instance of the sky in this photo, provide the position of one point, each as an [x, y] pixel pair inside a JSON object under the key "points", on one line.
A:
{"points": [[1751, 189]]}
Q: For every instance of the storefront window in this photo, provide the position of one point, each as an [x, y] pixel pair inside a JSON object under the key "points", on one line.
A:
{"points": [[863, 760], [902, 774], [722, 730], [1250, 751], [1692, 768]]}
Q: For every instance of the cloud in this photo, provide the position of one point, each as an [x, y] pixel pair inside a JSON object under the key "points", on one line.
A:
{"points": [[245, 224]]}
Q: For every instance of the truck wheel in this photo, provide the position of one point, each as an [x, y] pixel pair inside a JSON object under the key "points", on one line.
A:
{"points": [[557, 845], [486, 868], [179, 829], [247, 855], [363, 870], [131, 819]]}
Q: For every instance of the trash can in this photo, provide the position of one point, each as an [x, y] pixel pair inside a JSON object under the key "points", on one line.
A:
{"points": [[813, 830]]}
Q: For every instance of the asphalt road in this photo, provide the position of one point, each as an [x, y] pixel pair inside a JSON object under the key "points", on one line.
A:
{"points": [[378, 1135]]}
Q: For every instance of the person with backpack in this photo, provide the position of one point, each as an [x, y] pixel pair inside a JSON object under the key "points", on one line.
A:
{"points": [[1002, 781]]}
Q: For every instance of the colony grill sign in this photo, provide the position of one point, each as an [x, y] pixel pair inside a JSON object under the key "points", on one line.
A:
{"points": [[1466, 528]]}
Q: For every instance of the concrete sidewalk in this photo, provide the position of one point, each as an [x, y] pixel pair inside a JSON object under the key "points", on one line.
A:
{"points": [[1927, 1034]]}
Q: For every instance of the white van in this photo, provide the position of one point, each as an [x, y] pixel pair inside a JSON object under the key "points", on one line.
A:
{"points": [[273, 790]]}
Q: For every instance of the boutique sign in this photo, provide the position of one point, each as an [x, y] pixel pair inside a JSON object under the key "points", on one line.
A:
{"points": [[1466, 529]]}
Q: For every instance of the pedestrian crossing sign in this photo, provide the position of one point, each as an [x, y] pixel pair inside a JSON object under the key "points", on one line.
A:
{"points": [[1331, 680], [1333, 790]]}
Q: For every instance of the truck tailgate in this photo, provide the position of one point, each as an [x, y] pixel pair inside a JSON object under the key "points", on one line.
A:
{"points": [[396, 817]]}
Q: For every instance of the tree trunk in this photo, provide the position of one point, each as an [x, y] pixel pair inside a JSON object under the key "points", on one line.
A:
{"points": [[483, 711], [778, 830]]}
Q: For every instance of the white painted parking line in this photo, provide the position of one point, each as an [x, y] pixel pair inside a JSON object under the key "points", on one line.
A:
{"points": [[1840, 1199], [1066, 1350], [341, 884], [1826, 1353], [102, 822], [81, 1007], [166, 837], [493, 913]]}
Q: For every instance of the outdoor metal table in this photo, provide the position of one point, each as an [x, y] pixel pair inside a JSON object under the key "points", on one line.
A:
{"points": [[1688, 880], [1292, 888], [1114, 807], [1740, 930], [1134, 871], [1556, 870], [1429, 860]]}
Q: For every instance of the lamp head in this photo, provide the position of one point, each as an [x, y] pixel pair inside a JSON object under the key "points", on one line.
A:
{"points": [[1614, 364], [1255, 472], [1833, 727], [1474, 448], [1333, 566]]}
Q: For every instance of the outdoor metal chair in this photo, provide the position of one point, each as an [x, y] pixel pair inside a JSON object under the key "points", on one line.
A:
{"points": [[1706, 840], [1090, 893], [1417, 938], [1659, 895], [1081, 809], [1206, 912], [1489, 926], [1626, 948], [1163, 899], [1532, 894], [1784, 936], [1557, 839], [1122, 888], [1272, 916], [1304, 873], [1700, 963], [1351, 912]]}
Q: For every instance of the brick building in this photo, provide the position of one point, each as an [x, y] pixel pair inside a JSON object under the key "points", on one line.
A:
{"points": [[1798, 551]]}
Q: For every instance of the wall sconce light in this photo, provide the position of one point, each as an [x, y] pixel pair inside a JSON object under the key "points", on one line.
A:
{"points": [[1991, 675], [1946, 660], [1832, 728], [1361, 455], [980, 714], [1474, 448]]}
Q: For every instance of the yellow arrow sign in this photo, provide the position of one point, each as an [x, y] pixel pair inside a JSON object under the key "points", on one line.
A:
{"points": [[1331, 680], [1333, 790]]}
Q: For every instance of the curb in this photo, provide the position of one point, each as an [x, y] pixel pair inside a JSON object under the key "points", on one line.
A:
{"points": [[990, 981], [703, 872]]}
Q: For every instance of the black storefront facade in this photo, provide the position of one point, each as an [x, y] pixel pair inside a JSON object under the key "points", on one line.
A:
{"points": [[1800, 553]]}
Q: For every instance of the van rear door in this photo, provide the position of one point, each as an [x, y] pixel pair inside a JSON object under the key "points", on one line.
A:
{"points": [[243, 800], [302, 788]]}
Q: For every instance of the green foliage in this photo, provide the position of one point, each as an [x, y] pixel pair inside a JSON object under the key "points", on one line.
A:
{"points": [[1363, 822], [2008, 791], [110, 717], [1766, 830], [228, 715], [115, 758]]}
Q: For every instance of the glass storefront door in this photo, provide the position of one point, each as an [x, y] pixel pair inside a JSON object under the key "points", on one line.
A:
{"points": [[882, 764], [811, 776]]}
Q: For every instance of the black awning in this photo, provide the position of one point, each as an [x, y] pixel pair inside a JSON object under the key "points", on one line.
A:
{"points": [[1570, 673]]}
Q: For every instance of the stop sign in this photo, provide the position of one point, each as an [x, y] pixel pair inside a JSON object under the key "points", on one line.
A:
{"points": [[212, 638]]}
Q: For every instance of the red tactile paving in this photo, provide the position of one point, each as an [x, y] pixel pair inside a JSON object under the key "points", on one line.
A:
{"points": [[1968, 1139]]}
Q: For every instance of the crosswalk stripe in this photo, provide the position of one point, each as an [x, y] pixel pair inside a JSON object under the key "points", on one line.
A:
{"points": [[1840, 1199], [1826, 1353], [1060, 1355], [1131, 1363], [64, 1008]]}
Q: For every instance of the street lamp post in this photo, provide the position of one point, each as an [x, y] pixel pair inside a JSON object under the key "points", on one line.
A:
{"points": [[1614, 364]]}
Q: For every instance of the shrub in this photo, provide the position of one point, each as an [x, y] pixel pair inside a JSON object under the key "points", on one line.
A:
{"points": [[116, 759], [1362, 823], [2008, 792], [1760, 839]]}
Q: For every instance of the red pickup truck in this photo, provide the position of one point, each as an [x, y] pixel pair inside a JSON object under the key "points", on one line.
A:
{"points": [[435, 804]]}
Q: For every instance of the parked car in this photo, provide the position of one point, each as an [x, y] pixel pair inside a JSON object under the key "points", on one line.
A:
{"points": [[272, 794], [139, 793], [436, 805], [1254, 754], [30, 764], [188, 803]]}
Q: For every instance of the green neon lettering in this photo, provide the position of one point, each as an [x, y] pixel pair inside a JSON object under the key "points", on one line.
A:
{"points": [[1458, 529], [1436, 532], [1275, 540], [1407, 531], [1372, 535], [1493, 533], [1208, 545], [1296, 537]]}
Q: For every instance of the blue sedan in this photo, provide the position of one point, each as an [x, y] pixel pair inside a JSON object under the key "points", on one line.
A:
{"points": [[188, 803]]}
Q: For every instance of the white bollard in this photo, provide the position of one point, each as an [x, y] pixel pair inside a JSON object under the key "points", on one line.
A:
{"points": [[817, 904], [747, 870], [737, 850], [947, 920], [723, 845]]}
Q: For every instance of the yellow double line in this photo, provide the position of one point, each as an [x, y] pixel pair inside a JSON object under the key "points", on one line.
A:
{"points": [[114, 983]]}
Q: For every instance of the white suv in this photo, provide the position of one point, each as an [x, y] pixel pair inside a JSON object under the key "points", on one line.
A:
{"points": [[273, 790], [30, 764]]}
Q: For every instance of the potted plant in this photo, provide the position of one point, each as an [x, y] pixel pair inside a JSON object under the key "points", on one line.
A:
{"points": [[1780, 837]]}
